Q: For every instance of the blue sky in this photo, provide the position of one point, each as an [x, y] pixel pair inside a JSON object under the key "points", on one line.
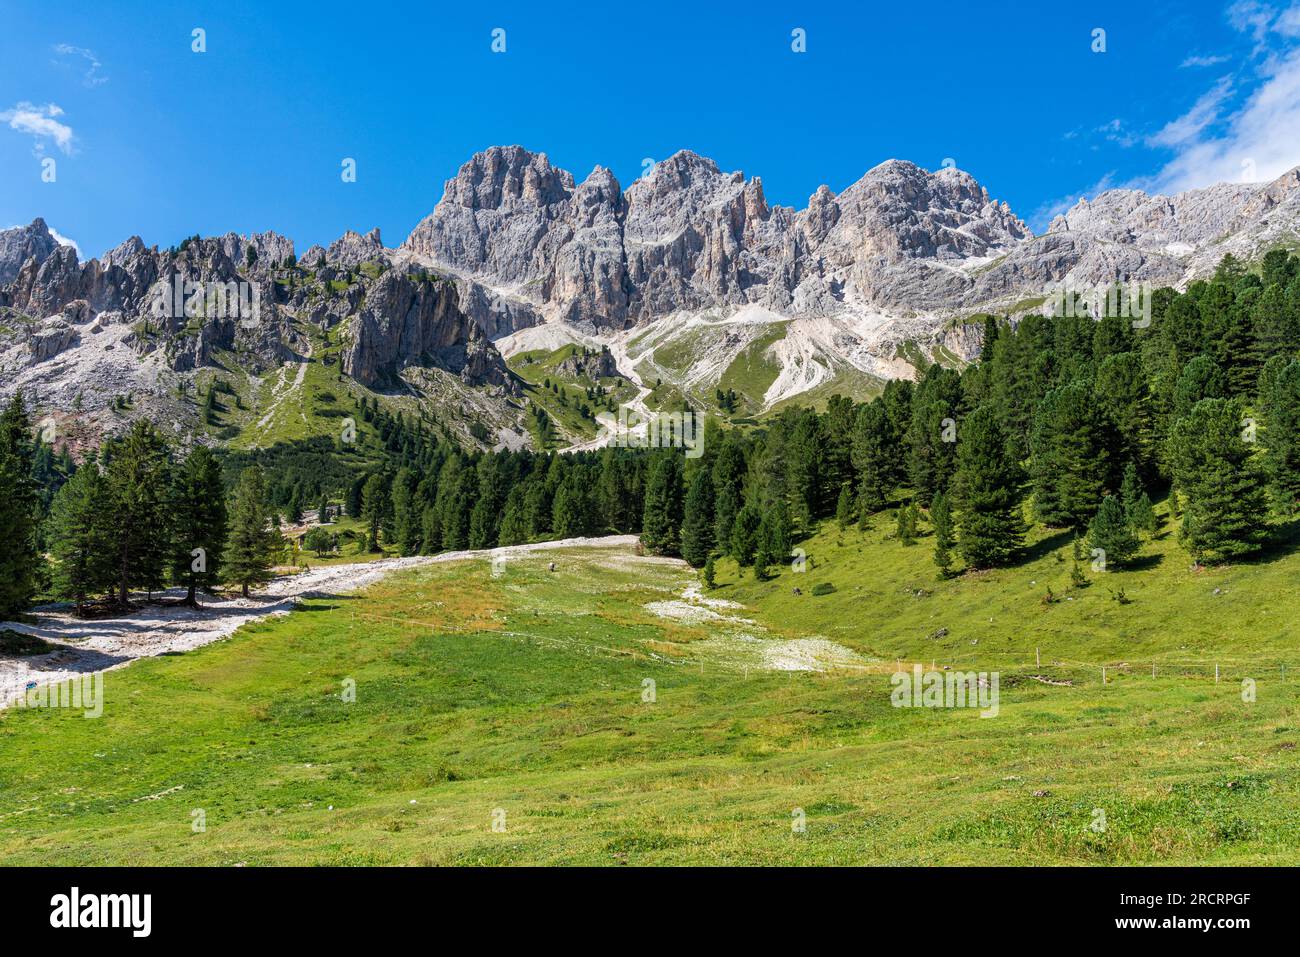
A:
{"points": [[151, 138]]}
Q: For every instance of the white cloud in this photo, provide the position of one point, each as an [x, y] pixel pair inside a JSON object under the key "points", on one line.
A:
{"points": [[39, 122], [1202, 114], [91, 77], [1198, 61], [64, 240], [1260, 139]]}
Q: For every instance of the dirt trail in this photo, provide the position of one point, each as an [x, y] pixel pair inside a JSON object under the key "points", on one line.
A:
{"points": [[90, 646]]}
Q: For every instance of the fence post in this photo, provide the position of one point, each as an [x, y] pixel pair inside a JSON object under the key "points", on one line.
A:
{"points": [[1038, 660], [1103, 674], [1216, 672]]}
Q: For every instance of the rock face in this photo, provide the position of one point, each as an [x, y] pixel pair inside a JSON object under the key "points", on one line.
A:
{"points": [[22, 243], [416, 321], [900, 241], [853, 280]]}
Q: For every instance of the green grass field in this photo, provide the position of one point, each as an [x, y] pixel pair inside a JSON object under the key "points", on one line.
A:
{"points": [[519, 699]]}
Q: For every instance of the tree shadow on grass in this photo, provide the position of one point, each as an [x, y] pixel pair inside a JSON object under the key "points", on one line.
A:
{"points": [[1044, 547]]}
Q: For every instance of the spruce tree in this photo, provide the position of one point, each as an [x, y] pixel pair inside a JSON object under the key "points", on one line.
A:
{"points": [[1111, 532], [844, 508], [905, 524], [710, 575], [873, 456], [662, 521], [1225, 507], [80, 539], [251, 545], [1070, 461], [986, 492], [19, 558], [374, 503], [697, 520], [137, 482], [744, 535], [197, 508], [1282, 437], [941, 518]]}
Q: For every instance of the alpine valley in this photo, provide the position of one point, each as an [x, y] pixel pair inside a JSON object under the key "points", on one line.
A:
{"points": [[528, 303]]}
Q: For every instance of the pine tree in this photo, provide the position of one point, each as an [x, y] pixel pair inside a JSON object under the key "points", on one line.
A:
{"points": [[19, 558], [79, 537], [514, 523], [710, 579], [571, 514], [662, 521], [374, 504], [1282, 437], [986, 491], [252, 543], [1144, 515], [137, 482], [744, 535], [905, 524], [1070, 461], [197, 510], [323, 510], [941, 518], [1225, 508], [697, 520], [873, 455], [844, 508], [1130, 491], [1111, 532]]}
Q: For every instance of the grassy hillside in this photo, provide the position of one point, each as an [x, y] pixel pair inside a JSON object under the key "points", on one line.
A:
{"points": [[524, 692]]}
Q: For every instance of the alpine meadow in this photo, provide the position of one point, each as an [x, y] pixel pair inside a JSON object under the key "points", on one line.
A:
{"points": [[657, 517]]}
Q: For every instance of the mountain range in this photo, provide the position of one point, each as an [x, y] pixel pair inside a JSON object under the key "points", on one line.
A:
{"points": [[525, 291]]}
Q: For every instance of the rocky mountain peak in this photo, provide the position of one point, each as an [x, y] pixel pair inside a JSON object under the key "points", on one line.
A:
{"points": [[507, 176], [21, 243]]}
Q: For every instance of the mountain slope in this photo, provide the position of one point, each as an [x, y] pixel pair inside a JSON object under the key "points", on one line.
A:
{"points": [[688, 276]]}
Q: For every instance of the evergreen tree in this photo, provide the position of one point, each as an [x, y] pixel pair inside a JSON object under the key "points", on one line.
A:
{"points": [[1070, 461], [80, 538], [1111, 532], [1225, 508], [514, 523], [662, 521], [374, 504], [1282, 437], [1201, 379], [941, 518], [1144, 515], [1130, 491], [986, 491], [252, 543], [19, 558], [844, 508], [905, 524], [744, 535], [356, 491], [571, 515], [198, 522], [697, 520], [137, 482], [710, 580], [873, 456]]}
